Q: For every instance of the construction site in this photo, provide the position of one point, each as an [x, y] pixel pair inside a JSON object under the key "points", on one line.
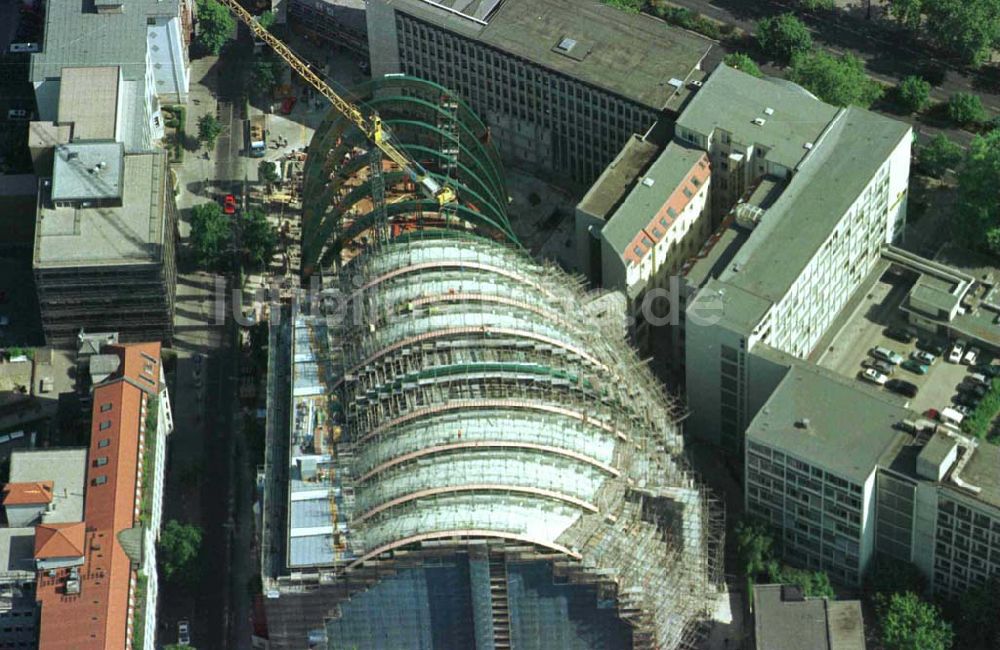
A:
{"points": [[462, 449]]}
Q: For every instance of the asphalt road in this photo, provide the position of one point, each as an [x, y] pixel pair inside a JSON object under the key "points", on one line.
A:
{"points": [[889, 52]]}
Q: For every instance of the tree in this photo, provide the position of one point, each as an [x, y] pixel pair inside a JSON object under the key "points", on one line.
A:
{"points": [[813, 583], [966, 109], [783, 36], [208, 130], [889, 575], [177, 551], [816, 5], [259, 237], [907, 12], [266, 19], [211, 234], [939, 156], [909, 623], [979, 194], [838, 80], [754, 545], [977, 627], [267, 171], [264, 73], [913, 94], [743, 63], [215, 25], [967, 28]]}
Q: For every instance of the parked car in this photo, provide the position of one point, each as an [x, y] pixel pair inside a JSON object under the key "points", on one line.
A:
{"points": [[18, 114], [874, 376], [923, 357], [183, 632], [901, 334], [229, 204], [880, 366], [979, 379], [966, 399], [902, 387], [955, 356], [932, 346], [973, 389], [932, 414], [971, 355], [963, 409], [984, 369], [915, 366], [885, 354]]}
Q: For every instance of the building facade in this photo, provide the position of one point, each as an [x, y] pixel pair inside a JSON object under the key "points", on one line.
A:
{"points": [[562, 85]]}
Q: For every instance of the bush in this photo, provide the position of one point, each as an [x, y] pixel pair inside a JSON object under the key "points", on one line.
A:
{"points": [[913, 94], [817, 5], [267, 171], [784, 36], [743, 63], [208, 130], [966, 109], [939, 156], [630, 6], [837, 80], [688, 20], [979, 421]]}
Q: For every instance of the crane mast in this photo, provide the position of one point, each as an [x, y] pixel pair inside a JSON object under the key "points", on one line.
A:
{"points": [[371, 126]]}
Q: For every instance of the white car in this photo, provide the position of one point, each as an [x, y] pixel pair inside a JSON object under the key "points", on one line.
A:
{"points": [[923, 357], [874, 376], [955, 356], [971, 355], [183, 632]]}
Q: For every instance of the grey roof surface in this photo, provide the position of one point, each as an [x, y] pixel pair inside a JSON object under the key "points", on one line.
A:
{"points": [[716, 254], [814, 201], [631, 55], [17, 552], [983, 471], [67, 469], [937, 449], [729, 306], [618, 177], [130, 234], [670, 170], [88, 97], [932, 293], [850, 429], [731, 100], [786, 625], [74, 36], [91, 170], [846, 625]]}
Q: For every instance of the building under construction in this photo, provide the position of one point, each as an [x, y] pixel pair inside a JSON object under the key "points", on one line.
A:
{"points": [[462, 450]]}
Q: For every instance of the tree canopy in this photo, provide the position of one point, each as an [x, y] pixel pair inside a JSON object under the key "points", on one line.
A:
{"points": [[783, 36], [966, 109], [939, 156], [909, 623], [266, 19], [979, 194], [177, 552], [754, 546], [812, 583], [977, 626], [258, 236], [208, 130], [264, 73], [211, 233], [744, 63], [837, 80], [267, 171], [215, 25], [913, 94], [968, 29]]}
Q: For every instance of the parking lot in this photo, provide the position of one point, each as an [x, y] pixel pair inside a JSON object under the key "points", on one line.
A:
{"points": [[865, 329]]}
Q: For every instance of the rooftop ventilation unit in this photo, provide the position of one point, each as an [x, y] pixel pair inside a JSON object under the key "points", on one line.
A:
{"points": [[567, 44], [759, 121], [768, 111], [648, 182], [808, 145]]}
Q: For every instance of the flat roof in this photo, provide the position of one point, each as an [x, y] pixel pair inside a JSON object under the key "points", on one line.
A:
{"points": [[731, 100], [618, 177], [88, 171], [982, 471], [729, 306], [781, 624], [88, 97], [842, 415], [66, 468], [130, 234], [661, 185], [17, 552], [631, 55], [814, 202]]}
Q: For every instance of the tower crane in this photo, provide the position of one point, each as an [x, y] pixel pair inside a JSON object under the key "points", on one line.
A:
{"points": [[371, 125]]}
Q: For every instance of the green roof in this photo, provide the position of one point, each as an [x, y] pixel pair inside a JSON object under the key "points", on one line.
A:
{"points": [[732, 100], [618, 178], [851, 428], [631, 55], [815, 200], [648, 196]]}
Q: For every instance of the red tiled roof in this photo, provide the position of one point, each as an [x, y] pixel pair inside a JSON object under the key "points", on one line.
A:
{"points": [[59, 540], [24, 494], [99, 617]]}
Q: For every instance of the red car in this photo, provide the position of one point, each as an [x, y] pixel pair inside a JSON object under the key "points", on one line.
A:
{"points": [[288, 105], [932, 414], [229, 204]]}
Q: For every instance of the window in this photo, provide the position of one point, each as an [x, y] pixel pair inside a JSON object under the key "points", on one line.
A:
{"points": [[104, 426], [101, 461], [105, 407], [104, 443], [100, 480]]}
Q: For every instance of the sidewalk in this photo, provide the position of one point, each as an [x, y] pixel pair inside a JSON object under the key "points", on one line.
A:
{"points": [[196, 172]]}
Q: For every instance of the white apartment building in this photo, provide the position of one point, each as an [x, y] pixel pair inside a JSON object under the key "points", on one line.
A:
{"points": [[643, 220], [818, 191], [844, 474]]}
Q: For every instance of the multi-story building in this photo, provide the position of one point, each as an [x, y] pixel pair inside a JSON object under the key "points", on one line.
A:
{"points": [[844, 474], [97, 581], [824, 189], [340, 23], [642, 219], [562, 84], [785, 619]]}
